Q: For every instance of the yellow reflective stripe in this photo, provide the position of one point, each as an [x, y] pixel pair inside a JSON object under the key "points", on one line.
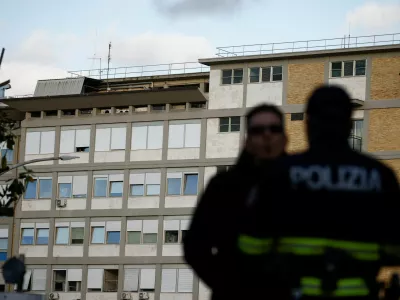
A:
{"points": [[311, 286], [301, 250], [254, 246]]}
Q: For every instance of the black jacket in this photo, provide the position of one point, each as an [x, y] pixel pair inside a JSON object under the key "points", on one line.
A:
{"points": [[209, 245], [327, 193]]}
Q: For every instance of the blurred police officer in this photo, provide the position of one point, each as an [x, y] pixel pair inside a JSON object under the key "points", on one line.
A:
{"points": [[328, 219]]}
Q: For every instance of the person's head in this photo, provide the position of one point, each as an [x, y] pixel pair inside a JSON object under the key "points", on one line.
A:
{"points": [[266, 137], [329, 111]]}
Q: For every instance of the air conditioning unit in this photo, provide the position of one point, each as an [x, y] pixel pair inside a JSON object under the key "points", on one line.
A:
{"points": [[126, 296], [61, 202], [143, 296], [54, 296]]}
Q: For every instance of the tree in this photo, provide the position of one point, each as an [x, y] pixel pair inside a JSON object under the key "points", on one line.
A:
{"points": [[16, 187]]}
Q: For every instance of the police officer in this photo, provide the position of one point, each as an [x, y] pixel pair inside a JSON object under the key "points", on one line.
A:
{"points": [[329, 218]]}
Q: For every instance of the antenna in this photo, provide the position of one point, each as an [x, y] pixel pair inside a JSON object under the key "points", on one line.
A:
{"points": [[2, 55], [108, 64], [97, 58]]}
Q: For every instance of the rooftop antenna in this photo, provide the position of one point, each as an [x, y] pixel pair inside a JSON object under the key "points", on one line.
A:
{"points": [[97, 58], [108, 64], [2, 55], [349, 35]]}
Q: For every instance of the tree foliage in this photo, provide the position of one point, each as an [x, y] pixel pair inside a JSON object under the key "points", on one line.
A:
{"points": [[15, 187]]}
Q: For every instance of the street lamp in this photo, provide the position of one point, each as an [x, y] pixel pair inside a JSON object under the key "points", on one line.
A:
{"points": [[64, 157]]}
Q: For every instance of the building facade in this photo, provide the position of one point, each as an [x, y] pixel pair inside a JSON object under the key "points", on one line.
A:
{"points": [[109, 223]]}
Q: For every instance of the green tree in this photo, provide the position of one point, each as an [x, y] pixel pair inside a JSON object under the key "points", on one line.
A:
{"points": [[15, 187]]}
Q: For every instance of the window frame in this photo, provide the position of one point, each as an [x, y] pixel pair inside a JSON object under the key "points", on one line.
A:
{"points": [[180, 233], [110, 143], [182, 184], [69, 235], [40, 141], [147, 125], [260, 74], [108, 186], [176, 291], [37, 187], [105, 235], [109, 280], [142, 234], [35, 235], [229, 124], [72, 196], [75, 148], [354, 61], [145, 184], [184, 135], [139, 289], [66, 282], [232, 76]]}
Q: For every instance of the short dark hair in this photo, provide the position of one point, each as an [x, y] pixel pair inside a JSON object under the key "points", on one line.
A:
{"points": [[264, 108]]}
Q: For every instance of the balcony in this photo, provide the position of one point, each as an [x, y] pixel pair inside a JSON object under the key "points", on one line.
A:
{"points": [[355, 142]]}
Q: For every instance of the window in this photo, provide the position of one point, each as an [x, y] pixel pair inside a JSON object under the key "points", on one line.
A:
{"points": [[178, 106], [67, 280], [184, 135], [36, 114], [122, 110], [72, 186], [74, 140], [40, 142], [142, 232], [232, 76], [106, 232], [198, 105], [8, 153], [229, 124], [109, 139], [176, 187], [268, 74], [105, 111], [355, 139], [147, 184], [70, 233], [136, 280], [348, 68], [174, 231], [40, 188], [51, 113], [35, 280], [108, 185], [102, 280], [147, 136], [221, 169], [140, 108], [176, 281], [68, 112], [3, 244], [34, 234], [158, 107], [85, 112]]}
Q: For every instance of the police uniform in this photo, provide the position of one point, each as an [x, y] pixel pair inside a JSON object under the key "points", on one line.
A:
{"points": [[322, 223]]}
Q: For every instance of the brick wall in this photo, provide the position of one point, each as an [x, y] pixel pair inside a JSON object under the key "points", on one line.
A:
{"points": [[302, 80], [385, 78], [296, 135], [384, 130]]}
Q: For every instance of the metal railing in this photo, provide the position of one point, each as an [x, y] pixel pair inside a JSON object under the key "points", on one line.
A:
{"points": [[310, 45], [140, 71], [355, 142]]}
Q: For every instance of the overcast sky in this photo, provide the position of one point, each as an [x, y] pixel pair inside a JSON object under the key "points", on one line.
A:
{"points": [[46, 38]]}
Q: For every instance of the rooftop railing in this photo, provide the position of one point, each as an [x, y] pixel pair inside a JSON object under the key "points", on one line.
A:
{"points": [[140, 71], [310, 45]]}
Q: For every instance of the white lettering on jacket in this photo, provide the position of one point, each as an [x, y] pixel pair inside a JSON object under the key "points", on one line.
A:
{"points": [[345, 178]]}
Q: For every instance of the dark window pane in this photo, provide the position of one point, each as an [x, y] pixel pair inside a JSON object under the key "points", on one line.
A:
{"points": [[173, 186], [336, 69], [171, 237], [254, 75], [191, 184], [134, 237], [238, 76], [226, 76], [3, 256], [266, 74], [113, 237], [348, 68], [223, 124], [360, 67], [277, 73], [149, 238], [77, 234], [31, 190]]}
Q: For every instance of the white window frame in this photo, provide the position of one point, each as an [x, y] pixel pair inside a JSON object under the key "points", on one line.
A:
{"points": [[142, 233], [183, 226], [139, 289], [103, 279], [110, 143], [72, 186], [40, 141], [35, 228], [69, 225], [184, 135], [30, 273], [342, 70], [185, 173], [108, 190], [75, 131], [37, 179], [144, 184], [177, 271], [66, 285], [232, 76], [260, 70], [104, 225], [147, 125]]}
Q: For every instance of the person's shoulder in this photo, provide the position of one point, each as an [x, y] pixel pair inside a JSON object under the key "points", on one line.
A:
{"points": [[371, 162]]}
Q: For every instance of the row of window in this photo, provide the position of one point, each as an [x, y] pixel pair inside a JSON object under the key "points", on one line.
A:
{"points": [[112, 185], [104, 232], [275, 73], [135, 279], [3, 244]]}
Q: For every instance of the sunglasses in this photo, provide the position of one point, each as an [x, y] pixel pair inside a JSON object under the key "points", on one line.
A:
{"points": [[256, 130]]}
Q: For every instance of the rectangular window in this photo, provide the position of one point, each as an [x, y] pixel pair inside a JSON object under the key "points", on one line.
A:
{"points": [[232, 76], [268, 74], [174, 231], [110, 281], [139, 280], [35, 280], [147, 137], [176, 281], [147, 184], [348, 68], [67, 280], [31, 190], [109, 233], [108, 185], [3, 244], [42, 236], [59, 280], [45, 188], [72, 186], [254, 75], [40, 142], [184, 135], [34, 234], [7, 153], [77, 235], [142, 231], [109, 139], [229, 124], [355, 139], [95, 280], [27, 236], [62, 235], [74, 140], [69, 233], [175, 186], [98, 235]]}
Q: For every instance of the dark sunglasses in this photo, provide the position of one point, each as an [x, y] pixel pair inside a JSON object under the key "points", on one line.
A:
{"points": [[256, 130]]}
